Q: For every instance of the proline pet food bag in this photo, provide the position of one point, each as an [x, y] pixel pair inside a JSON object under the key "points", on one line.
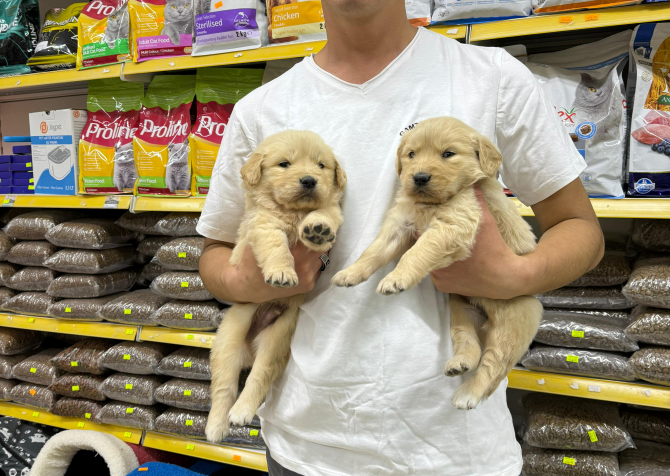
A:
{"points": [[217, 90], [478, 11], [161, 28], [57, 47], [556, 6], [160, 145], [649, 153], [585, 86], [295, 21], [104, 34], [419, 12], [19, 27], [106, 161], [234, 25]]}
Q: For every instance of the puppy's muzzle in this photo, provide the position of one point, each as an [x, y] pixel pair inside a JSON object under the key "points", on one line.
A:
{"points": [[421, 179], [308, 182]]}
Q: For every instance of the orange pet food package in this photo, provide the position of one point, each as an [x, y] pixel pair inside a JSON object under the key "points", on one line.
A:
{"points": [[104, 34], [295, 21]]}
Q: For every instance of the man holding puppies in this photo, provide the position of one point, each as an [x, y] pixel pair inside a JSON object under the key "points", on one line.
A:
{"points": [[364, 392]]}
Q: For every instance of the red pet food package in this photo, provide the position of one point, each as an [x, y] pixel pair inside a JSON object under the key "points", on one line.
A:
{"points": [[161, 28], [649, 152], [161, 145], [217, 90], [106, 162]]}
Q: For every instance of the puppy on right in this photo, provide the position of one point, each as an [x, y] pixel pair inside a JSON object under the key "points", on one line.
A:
{"points": [[439, 163]]}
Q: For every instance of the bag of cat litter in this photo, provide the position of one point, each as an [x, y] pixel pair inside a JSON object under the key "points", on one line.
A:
{"points": [[649, 153], [106, 162], [19, 26], [295, 21], [57, 46], [217, 90], [160, 144], [161, 28], [450, 12], [232, 26], [557, 6], [104, 34], [585, 86]]}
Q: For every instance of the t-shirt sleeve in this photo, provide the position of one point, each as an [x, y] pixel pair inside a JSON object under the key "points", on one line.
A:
{"points": [[224, 205], [539, 158]]}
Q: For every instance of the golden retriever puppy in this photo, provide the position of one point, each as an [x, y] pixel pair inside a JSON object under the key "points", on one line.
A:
{"points": [[293, 187], [439, 162]]}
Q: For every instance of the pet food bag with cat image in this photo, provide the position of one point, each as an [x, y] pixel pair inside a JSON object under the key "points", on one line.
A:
{"points": [[106, 162], [57, 46], [104, 34], [649, 153], [585, 86], [161, 145], [449, 12], [217, 90], [234, 25], [295, 21], [161, 28]]}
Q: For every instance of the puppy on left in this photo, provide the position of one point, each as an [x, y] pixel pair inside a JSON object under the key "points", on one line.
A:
{"points": [[294, 186]]}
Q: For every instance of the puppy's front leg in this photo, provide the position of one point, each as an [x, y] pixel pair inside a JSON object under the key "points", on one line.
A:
{"points": [[274, 257], [319, 228]]}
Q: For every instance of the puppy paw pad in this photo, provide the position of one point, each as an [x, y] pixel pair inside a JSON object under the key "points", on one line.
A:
{"points": [[318, 234]]}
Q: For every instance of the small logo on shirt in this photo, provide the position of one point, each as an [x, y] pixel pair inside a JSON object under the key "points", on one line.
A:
{"points": [[644, 185], [408, 128]]}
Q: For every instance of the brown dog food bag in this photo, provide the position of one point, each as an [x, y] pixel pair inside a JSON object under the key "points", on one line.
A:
{"points": [[586, 298], [652, 364], [612, 270], [181, 285], [189, 315], [38, 368], [18, 341], [133, 308], [177, 421], [5, 295], [6, 244], [245, 436], [130, 415], [181, 254], [37, 396], [31, 253], [6, 386], [77, 408], [193, 395], [79, 386], [545, 462], [33, 278], [32, 303], [139, 358], [89, 286], [650, 325], [151, 244], [652, 235], [7, 363], [648, 459], [7, 270], [178, 224], [141, 222], [139, 389], [90, 234], [35, 225], [652, 425], [150, 272], [188, 363], [91, 261], [84, 356], [80, 309], [649, 283]]}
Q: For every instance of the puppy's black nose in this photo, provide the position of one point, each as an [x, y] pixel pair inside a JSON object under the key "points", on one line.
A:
{"points": [[421, 179], [308, 182]]}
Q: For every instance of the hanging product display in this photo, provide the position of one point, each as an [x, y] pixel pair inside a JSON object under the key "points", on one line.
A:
{"points": [[104, 34], [57, 46]]}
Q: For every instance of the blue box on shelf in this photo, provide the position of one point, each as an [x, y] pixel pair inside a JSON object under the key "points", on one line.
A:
{"points": [[17, 182], [20, 166], [21, 159], [21, 190], [19, 175], [5, 159], [5, 167], [6, 182], [21, 149], [5, 190]]}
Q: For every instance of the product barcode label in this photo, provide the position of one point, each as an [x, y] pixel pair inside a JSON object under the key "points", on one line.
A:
{"points": [[578, 334], [572, 358], [75, 388], [592, 436], [184, 284], [187, 393], [112, 201], [570, 461], [188, 316], [67, 309], [181, 255], [126, 356]]}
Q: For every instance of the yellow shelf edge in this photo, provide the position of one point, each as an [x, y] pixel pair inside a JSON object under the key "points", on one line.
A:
{"points": [[203, 449], [624, 208], [106, 330], [570, 21], [59, 77], [156, 204], [637, 393], [177, 336], [37, 415], [71, 201]]}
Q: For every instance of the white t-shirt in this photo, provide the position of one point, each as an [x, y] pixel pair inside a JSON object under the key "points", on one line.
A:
{"points": [[364, 392]]}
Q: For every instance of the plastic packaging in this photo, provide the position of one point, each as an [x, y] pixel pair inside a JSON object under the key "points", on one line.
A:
{"points": [[150, 272], [569, 329], [586, 298], [84, 356], [648, 425], [7, 270], [140, 358], [187, 394], [586, 363], [161, 28], [613, 269], [649, 283], [650, 325], [419, 12], [91, 261], [558, 422], [130, 415], [188, 315], [245, 436], [32, 278], [79, 386], [139, 389], [144, 222], [18, 37], [31, 253], [6, 244], [77, 408], [189, 423], [150, 245], [104, 34], [80, 309], [187, 363], [560, 6], [652, 235], [37, 396], [181, 285], [7, 363], [57, 46], [545, 462], [649, 459], [300, 16], [181, 254], [5, 295], [88, 286], [133, 308], [90, 234], [6, 387], [18, 341], [178, 224], [31, 303], [652, 364], [456, 12], [35, 225], [38, 368]]}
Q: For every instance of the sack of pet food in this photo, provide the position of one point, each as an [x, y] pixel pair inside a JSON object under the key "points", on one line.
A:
{"points": [[106, 162], [161, 28], [80, 309], [295, 21], [33, 395], [57, 46], [160, 145], [648, 171], [648, 425], [419, 12], [217, 90], [38, 368], [544, 462], [558, 6], [187, 394], [229, 26], [458, 12], [19, 27], [104, 34], [648, 459], [585, 86], [6, 387], [77, 408], [130, 415], [6, 244], [139, 389]]}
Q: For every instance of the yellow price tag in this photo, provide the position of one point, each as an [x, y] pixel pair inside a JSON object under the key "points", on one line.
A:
{"points": [[126, 356], [591, 17], [129, 410], [572, 358], [189, 422], [565, 20], [74, 364], [75, 388], [570, 461], [181, 255], [31, 187], [592, 436], [129, 332], [189, 337], [184, 284], [190, 447], [579, 334], [36, 414], [188, 316], [31, 320], [187, 393], [237, 458], [29, 164], [87, 415], [127, 311], [31, 180], [127, 434], [81, 424], [33, 370], [129, 386], [187, 365], [253, 433], [67, 309]]}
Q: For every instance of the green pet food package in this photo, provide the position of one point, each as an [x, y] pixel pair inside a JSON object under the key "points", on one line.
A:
{"points": [[19, 27]]}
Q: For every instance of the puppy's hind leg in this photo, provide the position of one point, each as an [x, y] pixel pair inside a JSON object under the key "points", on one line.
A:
{"points": [[465, 323]]}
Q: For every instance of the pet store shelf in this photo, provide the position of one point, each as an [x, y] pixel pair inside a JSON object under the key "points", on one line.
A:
{"points": [[622, 392], [73, 201], [625, 208], [62, 326], [155, 204], [70, 77], [129, 435], [202, 449], [571, 21], [178, 337]]}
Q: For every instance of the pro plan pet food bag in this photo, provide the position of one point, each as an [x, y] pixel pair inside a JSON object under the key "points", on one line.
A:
{"points": [[585, 86], [106, 161], [19, 27], [649, 158], [458, 12], [104, 34], [161, 142], [555, 6], [161, 28], [57, 48], [217, 90], [55, 137], [295, 21]]}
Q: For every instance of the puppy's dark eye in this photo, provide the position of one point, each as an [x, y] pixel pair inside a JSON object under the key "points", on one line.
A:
{"points": [[284, 164], [321, 166], [447, 153], [411, 155]]}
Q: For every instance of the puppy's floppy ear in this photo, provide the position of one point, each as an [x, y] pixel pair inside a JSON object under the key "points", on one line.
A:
{"points": [[251, 171], [340, 176], [401, 150], [490, 158]]}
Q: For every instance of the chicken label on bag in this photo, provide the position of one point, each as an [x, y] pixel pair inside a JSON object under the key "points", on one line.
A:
{"points": [[295, 21]]}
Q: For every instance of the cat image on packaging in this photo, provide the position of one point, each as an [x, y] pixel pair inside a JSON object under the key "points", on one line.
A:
{"points": [[161, 146], [295, 21], [217, 90], [106, 162], [161, 28], [104, 34]]}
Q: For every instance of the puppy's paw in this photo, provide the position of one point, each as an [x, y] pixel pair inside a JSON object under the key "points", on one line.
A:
{"points": [[242, 413], [281, 278], [318, 236], [392, 284], [466, 397], [459, 365], [348, 277], [217, 429]]}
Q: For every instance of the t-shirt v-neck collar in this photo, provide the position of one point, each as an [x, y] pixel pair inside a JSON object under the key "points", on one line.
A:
{"points": [[321, 73]]}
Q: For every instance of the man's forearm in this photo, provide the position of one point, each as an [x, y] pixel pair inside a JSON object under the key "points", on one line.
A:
{"points": [[214, 266]]}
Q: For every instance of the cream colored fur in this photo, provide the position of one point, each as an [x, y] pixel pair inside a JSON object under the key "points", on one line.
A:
{"points": [[279, 212], [445, 215]]}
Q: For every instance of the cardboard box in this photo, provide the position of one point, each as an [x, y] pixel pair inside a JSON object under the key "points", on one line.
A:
{"points": [[55, 144]]}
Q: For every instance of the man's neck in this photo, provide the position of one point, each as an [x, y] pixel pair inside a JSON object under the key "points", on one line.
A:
{"points": [[358, 49]]}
